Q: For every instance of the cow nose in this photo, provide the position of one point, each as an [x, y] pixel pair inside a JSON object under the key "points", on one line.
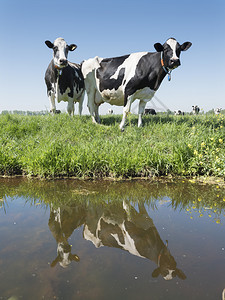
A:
{"points": [[63, 62], [175, 62]]}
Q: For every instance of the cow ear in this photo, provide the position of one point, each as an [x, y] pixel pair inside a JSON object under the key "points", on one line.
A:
{"points": [[74, 257], [156, 273], [158, 47], [180, 274], [185, 46], [72, 47], [54, 263], [49, 44]]}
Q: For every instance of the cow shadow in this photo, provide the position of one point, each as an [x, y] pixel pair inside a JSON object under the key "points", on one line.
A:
{"points": [[132, 120], [161, 118], [117, 225]]}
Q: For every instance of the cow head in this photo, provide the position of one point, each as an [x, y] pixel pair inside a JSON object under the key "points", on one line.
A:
{"points": [[64, 257], [60, 52], [171, 52], [167, 266]]}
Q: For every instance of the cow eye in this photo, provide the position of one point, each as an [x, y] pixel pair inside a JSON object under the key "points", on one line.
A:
{"points": [[55, 48]]}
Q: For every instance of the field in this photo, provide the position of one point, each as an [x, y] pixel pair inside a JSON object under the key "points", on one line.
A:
{"points": [[61, 146]]}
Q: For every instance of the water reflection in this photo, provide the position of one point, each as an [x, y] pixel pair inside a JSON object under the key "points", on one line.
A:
{"points": [[117, 225], [118, 232], [122, 226], [62, 222]]}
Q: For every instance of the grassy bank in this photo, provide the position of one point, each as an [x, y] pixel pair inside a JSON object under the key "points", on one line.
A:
{"points": [[62, 146]]}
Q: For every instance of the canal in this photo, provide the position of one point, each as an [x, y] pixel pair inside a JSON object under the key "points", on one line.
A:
{"points": [[72, 239]]}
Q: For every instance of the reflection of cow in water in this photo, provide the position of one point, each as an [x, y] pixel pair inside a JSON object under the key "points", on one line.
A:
{"points": [[113, 225], [62, 223], [127, 229]]}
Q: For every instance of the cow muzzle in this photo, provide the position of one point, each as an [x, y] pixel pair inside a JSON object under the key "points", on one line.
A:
{"points": [[174, 63], [63, 62]]}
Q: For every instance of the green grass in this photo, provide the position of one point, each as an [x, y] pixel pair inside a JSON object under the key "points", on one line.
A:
{"points": [[58, 146]]}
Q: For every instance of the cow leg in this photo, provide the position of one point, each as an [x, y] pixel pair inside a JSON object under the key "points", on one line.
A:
{"points": [[92, 106], [70, 107], [52, 102], [97, 114], [81, 100], [141, 110], [126, 110]]}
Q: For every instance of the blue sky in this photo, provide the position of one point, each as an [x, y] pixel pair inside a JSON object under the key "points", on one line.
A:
{"points": [[107, 29]]}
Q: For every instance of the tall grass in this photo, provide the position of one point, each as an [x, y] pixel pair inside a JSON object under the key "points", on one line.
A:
{"points": [[59, 146]]}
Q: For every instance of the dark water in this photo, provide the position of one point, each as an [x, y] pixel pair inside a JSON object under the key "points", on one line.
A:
{"points": [[103, 240]]}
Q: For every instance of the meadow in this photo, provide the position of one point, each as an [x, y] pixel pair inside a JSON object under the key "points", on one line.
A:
{"points": [[63, 146]]}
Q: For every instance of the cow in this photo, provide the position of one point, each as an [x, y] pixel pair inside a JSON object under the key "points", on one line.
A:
{"points": [[110, 111], [178, 112], [64, 79], [195, 109], [149, 111], [123, 227], [121, 80], [62, 222], [217, 111]]}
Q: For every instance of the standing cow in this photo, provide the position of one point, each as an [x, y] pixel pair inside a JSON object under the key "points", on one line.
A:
{"points": [[64, 79], [217, 111], [195, 109], [121, 80], [149, 111], [178, 112]]}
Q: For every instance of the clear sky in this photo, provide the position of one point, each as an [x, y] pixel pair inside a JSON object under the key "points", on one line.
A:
{"points": [[107, 29]]}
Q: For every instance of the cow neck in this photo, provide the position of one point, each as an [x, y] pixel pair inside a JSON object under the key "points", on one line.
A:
{"points": [[58, 71], [167, 70]]}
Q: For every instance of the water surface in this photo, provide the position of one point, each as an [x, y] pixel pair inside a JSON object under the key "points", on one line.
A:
{"points": [[69, 239]]}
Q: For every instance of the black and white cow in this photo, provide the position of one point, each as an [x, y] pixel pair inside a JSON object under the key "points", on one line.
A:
{"points": [[64, 79], [195, 109], [121, 80], [125, 228], [178, 112], [217, 111], [149, 111], [62, 222]]}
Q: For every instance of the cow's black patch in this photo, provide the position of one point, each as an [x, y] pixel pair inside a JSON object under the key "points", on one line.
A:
{"points": [[107, 69]]}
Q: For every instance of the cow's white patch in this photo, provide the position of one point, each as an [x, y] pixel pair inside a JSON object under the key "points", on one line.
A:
{"points": [[144, 94], [129, 244], [169, 276], [173, 44], [130, 65], [89, 236], [61, 53], [113, 97], [63, 97]]}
